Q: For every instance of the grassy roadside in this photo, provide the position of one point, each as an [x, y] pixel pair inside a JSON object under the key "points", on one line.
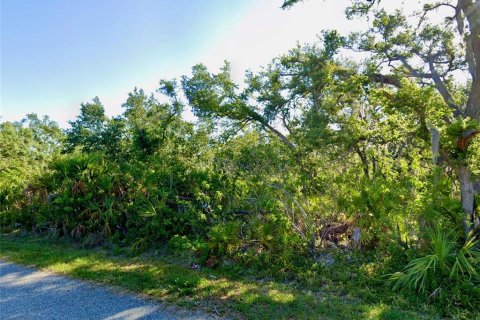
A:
{"points": [[214, 291]]}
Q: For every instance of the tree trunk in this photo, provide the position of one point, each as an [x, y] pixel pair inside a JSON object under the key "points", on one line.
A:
{"points": [[467, 194], [435, 145]]}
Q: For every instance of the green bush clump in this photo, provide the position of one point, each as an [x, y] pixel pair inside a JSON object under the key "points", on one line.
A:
{"points": [[180, 244], [446, 261], [449, 273]]}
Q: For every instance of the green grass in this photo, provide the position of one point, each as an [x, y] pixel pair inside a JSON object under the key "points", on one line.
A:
{"points": [[214, 291]]}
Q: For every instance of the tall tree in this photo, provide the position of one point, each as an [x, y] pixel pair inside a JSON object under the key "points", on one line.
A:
{"points": [[26, 148], [87, 129], [433, 46]]}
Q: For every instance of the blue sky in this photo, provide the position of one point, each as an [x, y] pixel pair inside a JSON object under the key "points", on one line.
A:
{"points": [[56, 54]]}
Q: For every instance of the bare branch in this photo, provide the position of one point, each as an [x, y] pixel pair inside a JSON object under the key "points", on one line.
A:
{"points": [[413, 72], [280, 135], [442, 89]]}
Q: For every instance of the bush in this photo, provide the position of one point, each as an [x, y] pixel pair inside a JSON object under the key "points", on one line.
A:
{"points": [[179, 244], [447, 264]]}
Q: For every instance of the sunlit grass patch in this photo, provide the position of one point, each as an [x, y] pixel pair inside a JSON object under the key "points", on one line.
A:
{"points": [[212, 290]]}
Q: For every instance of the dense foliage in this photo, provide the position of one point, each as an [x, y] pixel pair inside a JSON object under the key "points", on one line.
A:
{"points": [[316, 156]]}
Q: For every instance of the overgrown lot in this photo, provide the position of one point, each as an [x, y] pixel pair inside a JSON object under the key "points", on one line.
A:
{"points": [[321, 184]]}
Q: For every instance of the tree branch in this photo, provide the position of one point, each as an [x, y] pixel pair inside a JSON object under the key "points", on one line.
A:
{"points": [[280, 135], [471, 11], [442, 89], [385, 79]]}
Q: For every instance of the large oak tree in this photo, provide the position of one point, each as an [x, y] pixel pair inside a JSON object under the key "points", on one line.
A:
{"points": [[437, 46]]}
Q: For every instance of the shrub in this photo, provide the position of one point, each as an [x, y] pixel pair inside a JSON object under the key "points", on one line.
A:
{"points": [[179, 244], [447, 264]]}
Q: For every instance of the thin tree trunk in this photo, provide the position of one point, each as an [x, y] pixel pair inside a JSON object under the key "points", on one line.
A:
{"points": [[435, 145], [467, 194]]}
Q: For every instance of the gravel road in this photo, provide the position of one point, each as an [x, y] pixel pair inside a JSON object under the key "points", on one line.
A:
{"points": [[27, 293]]}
